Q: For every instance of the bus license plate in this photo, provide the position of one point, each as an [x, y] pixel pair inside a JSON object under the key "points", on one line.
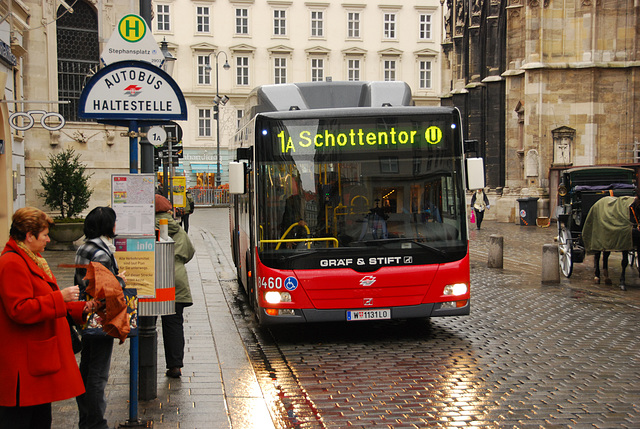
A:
{"points": [[378, 314]]}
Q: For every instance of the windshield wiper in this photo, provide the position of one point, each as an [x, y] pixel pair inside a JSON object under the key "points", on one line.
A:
{"points": [[297, 255], [404, 240]]}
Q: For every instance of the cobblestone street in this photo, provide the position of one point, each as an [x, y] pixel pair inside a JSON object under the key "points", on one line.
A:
{"points": [[528, 356]]}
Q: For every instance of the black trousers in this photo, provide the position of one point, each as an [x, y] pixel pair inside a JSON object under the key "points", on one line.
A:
{"points": [[33, 417], [479, 216], [173, 337], [95, 362], [184, 222]]}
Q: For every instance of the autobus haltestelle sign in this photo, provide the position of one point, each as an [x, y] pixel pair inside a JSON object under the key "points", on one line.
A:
{"points": [[132, 90]]}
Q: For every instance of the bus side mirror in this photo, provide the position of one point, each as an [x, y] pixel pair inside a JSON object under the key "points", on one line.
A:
{"points": [[475, 173], [471, 146], [236, 177]]}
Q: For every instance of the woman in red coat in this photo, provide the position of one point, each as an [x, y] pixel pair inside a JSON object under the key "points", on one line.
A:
{"points": [[37, 364]]}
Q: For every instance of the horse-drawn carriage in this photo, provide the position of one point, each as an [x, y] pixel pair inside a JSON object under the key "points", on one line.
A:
{"points": [[578, 191]]}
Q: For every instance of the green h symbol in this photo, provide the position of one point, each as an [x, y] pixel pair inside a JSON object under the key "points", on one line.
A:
{"points": [[132, 25], [132, 28]]}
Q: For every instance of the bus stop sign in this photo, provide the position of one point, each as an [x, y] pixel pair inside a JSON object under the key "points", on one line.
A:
{"points": [[132, 91]]}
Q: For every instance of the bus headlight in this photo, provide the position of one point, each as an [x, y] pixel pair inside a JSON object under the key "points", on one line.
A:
{"points": [[456, 289], [273, 297]]}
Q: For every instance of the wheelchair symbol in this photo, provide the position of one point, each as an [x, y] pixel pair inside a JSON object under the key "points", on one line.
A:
{"points": [[291, 283]]}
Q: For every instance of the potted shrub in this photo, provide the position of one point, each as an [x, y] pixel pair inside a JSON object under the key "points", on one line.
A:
{"points": [[66, 190]]}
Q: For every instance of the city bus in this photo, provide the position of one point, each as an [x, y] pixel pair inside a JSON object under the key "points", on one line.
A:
{"points": [[347, 203]]}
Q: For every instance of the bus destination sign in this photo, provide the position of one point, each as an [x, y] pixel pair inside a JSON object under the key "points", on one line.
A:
{"points": [[354, 138]]}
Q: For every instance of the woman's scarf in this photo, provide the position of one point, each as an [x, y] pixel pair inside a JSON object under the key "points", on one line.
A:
{"points": [[39, 260], [109, 243]]}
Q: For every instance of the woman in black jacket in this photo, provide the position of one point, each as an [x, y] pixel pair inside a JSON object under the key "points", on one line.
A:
{"points": [[95, 360]]}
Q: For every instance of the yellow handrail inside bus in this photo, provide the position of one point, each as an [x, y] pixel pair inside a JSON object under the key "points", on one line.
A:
{"points": [[339, 210], [355, 198], [300, 240], [282, 240]]}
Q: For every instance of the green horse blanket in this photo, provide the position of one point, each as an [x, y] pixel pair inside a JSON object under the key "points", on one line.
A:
{"points": [[607, 226]]}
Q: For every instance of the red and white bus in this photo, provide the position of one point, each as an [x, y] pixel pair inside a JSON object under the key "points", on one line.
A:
{"points": [[347, 204]]}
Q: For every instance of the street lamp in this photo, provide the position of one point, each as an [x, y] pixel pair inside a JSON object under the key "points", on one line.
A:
{"points": [[217, 102], [169, 60], [167, 66]]}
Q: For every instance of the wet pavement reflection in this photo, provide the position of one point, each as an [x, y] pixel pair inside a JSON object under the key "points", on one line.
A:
{"points": [[528, 355]]}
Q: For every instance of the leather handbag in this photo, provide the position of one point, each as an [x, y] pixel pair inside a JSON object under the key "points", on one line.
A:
{"points": [[76, 339]]}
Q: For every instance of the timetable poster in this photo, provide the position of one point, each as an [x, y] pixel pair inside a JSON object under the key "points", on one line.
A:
{"points": [[136, 259], [179, 191], [132, 198]]}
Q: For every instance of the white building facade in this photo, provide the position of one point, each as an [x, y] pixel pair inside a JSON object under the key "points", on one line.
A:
{"points": [[284, 41]]}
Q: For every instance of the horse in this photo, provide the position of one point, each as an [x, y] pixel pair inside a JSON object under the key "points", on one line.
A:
{"points": [[612, 225]]}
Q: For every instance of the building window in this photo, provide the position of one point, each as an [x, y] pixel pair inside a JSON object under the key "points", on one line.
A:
{"points": [[239, 114], [202, 19], [163, 18], [204, 122], [389, 164], [317, 69], [242, 21], [389, 25], [242, 71], [425, 74], [353, 25], [353, 70], [317, 23], [204, 70], [280, 70], [389, 70], [78, 52], [279, 22], [424, 27]]}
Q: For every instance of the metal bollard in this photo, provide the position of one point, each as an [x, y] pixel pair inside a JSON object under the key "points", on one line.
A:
{"points": [[550, 264], [496, 246]]}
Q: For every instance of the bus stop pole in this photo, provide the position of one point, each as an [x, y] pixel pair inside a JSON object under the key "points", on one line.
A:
{"points": [[133, 344], [147, 333]]}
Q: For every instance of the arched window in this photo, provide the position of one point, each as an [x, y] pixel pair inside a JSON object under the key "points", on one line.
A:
{"points": [[78, 54]]}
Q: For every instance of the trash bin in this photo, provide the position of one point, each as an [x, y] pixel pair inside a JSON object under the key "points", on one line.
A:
{"points": [[528, 211]]}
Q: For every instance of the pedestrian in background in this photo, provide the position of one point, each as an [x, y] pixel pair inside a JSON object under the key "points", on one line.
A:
{"points": [[97, 346], [480, 203], [37, 364], [173, 324], [188, 209]]}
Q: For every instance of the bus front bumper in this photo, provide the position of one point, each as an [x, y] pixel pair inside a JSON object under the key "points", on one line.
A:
{"points": [[340, 315]]}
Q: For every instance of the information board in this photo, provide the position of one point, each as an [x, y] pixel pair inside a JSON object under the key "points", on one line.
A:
{"points": [[136, 257], [133, 198]]}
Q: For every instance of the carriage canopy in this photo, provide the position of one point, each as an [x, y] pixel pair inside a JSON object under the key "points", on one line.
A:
{"points": [[608, 225]]}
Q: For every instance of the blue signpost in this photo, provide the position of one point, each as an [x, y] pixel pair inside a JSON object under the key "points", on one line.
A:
{"points": [[132, 94]]}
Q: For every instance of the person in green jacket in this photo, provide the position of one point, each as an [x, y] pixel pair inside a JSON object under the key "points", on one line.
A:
{"points": [[172, 324], [189, 208]]}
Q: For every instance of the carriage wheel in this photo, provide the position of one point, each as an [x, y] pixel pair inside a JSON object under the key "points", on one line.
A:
{"points": [[565, 251]]}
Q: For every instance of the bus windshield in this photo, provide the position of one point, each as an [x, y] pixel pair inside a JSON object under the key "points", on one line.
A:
{"points": [[384, 185]]}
